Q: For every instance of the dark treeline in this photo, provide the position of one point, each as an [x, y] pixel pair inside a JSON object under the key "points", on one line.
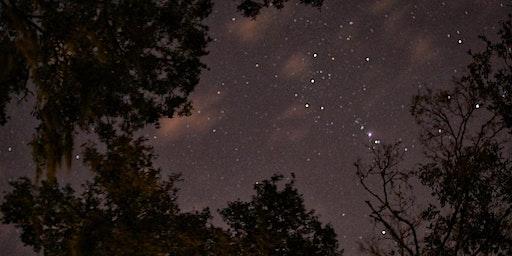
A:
{"points": [[111, 68], [129, 209]]}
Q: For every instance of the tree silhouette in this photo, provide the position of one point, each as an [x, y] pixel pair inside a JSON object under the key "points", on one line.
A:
{"points": [[110, 68], [490, 72], [275, 222], [467, 169], [124, 63], [127, 209], [88, 63], [392, 203]]}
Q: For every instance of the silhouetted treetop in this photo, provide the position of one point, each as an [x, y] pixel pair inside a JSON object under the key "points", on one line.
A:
{"points": [[465, 135], [125, 63], [127, 209], [251, 8], [94, 63], [275, 222], [110, 68], [491, 73]]}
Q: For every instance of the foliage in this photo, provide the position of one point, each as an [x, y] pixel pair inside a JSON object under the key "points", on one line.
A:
{"points": [[123, 63], [490, 73], [13, 75], [127, 209], [275, 222], [111, 68], [465, 135]]}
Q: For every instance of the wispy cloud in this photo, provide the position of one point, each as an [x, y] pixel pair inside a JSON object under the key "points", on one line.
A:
{"points": [[296, 65], [422, 50], [205, 115], [247, 29], [292, 129]]}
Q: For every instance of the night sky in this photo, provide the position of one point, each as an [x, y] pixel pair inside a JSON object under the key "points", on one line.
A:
{"points": [[298, 90]]}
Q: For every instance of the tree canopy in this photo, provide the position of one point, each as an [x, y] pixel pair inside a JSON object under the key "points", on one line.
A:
{"points": [[275, 222], [121, 63], [490, 73], [127, 209], [111, 68], [467, 169], [95, 63]]}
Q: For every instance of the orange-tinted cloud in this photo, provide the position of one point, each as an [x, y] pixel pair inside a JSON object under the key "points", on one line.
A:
{"points": [[293, 112], [295, 65], [247, 29], [422, 50], [381, 6], [204, 116]]}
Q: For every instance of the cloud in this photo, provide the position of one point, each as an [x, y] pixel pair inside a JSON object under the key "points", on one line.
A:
{"points": [[295, 111], [288, 134], [247, 29], [382, 6], [422, 50], [204, 116], [295, 65], [395, 19], [293, 129]]}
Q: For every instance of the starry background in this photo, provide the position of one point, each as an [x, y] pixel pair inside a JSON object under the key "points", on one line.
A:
{"points": [[298, 90]]}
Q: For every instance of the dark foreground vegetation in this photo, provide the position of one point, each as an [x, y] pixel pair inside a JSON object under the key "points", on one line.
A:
{"points": [[108, 69]]}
